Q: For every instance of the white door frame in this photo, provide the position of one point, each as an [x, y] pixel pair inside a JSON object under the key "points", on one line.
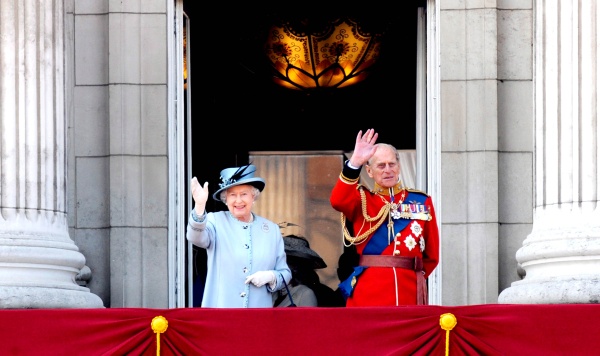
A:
{"points": [[428, 144]]}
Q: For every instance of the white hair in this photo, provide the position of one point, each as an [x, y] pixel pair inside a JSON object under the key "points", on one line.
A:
{"points": [[389, 147], [223, 195]]}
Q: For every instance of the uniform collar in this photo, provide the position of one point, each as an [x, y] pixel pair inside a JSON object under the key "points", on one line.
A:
{"points": [[385, 191]]}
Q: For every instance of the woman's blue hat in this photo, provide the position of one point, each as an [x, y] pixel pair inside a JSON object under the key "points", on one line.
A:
{"points": [[231, 177]]}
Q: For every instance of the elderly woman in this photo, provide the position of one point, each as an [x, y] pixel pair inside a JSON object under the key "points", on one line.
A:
{"points": [[246, 261]]}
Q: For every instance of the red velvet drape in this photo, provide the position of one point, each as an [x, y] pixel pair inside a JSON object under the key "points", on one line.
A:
{"points": [[490, 329]]}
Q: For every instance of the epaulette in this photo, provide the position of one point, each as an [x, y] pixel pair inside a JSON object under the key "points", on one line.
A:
{"points": [[412, 190], [363, 187]]}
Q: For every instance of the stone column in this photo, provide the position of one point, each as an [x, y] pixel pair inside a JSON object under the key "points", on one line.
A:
{"points": [[561, 256], [38, 259]]}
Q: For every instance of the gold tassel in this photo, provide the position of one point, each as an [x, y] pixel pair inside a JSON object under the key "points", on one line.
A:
{"points": [[159, 325], [448, 322], [380, 218]]}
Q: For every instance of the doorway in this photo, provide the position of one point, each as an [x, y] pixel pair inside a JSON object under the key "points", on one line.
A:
{"points": [[238, 110]]}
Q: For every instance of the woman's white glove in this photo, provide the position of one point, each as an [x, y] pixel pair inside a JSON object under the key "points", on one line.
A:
{"points": [[261, 278], [200, 195]]}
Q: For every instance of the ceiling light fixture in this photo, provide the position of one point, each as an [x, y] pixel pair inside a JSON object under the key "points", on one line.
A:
{"points": [[339, 55]]}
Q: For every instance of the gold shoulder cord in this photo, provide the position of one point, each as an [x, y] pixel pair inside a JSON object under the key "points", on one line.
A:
{"points": [[383, 213]]}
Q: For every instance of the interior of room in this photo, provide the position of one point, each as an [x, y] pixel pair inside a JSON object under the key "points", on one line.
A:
{"points": [[238, 110]]}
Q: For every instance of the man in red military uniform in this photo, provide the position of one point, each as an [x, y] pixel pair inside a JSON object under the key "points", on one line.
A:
{"points": [[395, 229]]}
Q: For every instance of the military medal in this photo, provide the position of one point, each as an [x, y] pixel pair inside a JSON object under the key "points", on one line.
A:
{"points": [[394, 207], [394, 211]]}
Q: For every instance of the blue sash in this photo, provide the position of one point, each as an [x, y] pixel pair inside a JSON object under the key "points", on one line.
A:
{"points": [[378, 242]]}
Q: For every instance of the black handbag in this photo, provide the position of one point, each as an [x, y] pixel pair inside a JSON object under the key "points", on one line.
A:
{"points": [[282, 297], [289, 295]]}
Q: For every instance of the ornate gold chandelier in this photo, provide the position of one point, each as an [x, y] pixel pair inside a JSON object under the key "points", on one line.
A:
{"points": [[339, 55]]}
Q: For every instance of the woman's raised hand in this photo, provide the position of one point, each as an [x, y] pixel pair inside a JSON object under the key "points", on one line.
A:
{"points": [[200, 195]]}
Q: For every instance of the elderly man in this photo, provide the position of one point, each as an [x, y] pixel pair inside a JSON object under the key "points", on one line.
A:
{"points": [[395, 229]]}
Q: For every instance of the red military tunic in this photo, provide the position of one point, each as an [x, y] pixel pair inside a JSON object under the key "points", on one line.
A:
{"points": [[418, 237]]}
